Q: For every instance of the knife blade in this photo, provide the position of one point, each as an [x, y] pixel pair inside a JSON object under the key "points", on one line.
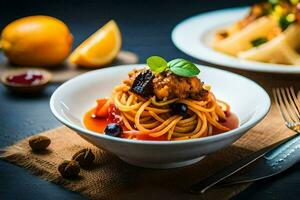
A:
{"points": [[274, 162], [206, 183]]}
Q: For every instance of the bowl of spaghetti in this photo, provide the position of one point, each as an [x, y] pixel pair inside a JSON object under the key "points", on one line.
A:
{"points": [[160, 114]]}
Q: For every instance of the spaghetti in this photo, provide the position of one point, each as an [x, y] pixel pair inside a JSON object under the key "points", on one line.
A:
{"points": [[167, 104], [155, 119]]}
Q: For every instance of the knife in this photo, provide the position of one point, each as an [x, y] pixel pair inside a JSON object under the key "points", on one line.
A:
{"points": [[274, 162], [220, 176]]}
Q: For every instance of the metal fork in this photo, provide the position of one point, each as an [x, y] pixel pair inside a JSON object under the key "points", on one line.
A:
{"points": [[289, 107]]}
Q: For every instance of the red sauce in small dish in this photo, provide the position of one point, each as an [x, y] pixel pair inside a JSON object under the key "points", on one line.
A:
{"points": [[26, 78]]}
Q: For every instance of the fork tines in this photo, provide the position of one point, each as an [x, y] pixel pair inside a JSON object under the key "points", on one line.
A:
{"points": [[287, 103]]}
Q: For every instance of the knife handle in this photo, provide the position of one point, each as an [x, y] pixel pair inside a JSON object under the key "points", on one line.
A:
{"points": [[210, 181], [206, 183], [285, 155], [274, 162]]}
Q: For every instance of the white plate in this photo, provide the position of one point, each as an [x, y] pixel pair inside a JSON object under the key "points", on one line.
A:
{"points": [[75, 97], [194, 35]]}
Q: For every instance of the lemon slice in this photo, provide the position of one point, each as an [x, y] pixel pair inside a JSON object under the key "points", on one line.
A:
{"points": [[100, 48]]}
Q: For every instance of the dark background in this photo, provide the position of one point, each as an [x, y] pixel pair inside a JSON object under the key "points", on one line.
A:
{"points": [[146, 29]]}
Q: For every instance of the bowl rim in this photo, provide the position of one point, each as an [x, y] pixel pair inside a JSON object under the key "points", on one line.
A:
{"points": [[242, 128]]}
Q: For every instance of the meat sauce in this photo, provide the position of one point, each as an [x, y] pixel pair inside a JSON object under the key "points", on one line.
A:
{"points": [[165, 85], [99, 124]]}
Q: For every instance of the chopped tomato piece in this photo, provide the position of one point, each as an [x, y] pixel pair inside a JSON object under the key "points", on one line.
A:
{"points": [[102, 107], [114, 115]]}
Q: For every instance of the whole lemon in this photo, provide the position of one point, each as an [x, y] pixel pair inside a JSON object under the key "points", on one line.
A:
{"points": [[36, 41]]}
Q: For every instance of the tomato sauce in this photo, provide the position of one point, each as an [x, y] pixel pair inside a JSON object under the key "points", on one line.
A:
{"points": [[94, 123], [99, 124], [231, 122]]}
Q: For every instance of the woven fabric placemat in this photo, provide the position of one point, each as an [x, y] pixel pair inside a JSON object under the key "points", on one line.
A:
{"points": [[111, 178]]}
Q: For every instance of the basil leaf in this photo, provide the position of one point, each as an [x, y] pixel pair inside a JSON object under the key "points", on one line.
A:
{"points": [[157, 64], [286, 20], [182, 67], [259, 41], [273, 2]]}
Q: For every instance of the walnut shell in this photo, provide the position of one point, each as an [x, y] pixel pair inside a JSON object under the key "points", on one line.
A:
{"points": [[84, 157], [39, 142], [69, 169]]}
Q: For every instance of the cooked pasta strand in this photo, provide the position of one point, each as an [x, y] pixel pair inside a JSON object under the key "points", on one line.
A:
{"points": [[154, 118]]}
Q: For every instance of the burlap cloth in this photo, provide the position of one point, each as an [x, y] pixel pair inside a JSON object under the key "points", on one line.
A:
{"points": [[110, 178]]}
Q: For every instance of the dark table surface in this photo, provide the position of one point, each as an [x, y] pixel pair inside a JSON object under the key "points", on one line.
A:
{"points": [[146, 28]]}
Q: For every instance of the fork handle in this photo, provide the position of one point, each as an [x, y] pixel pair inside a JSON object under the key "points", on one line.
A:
{"points": [[206, 183]]}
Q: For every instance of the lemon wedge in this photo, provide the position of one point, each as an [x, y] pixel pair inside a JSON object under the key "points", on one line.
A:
{"points": [[100, 48]]}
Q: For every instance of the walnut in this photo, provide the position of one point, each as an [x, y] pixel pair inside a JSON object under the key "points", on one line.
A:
{"points": [[39, 142], [69, 169], [84, 157]]}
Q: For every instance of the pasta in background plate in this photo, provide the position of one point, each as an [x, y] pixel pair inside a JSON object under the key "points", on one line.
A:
{"points": [[269, 33]]}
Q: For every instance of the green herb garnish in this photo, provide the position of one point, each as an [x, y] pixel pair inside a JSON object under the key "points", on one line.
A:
{"points": [[286, 20], [259, 41], [182, 67], [178, 66], [274, 2], [157, 64]]}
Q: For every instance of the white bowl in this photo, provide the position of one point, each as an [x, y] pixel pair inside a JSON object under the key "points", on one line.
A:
{"points": [[75, 97]]}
